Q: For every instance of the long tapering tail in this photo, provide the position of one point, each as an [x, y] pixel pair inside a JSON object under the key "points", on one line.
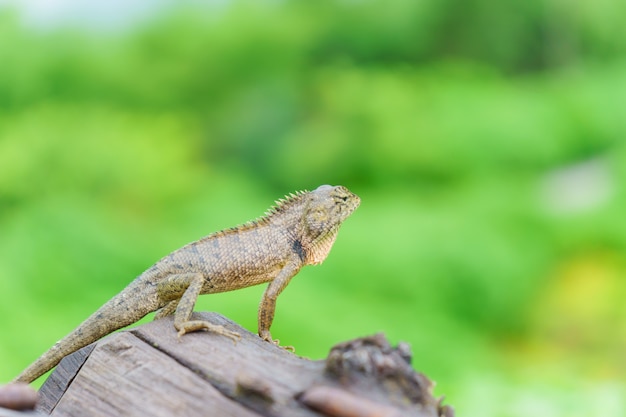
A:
{"points": [[134, 302]]}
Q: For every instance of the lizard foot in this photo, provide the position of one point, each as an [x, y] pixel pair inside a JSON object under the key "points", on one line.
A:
{"points": [[268, 338], [289, 348], [195, 325]]}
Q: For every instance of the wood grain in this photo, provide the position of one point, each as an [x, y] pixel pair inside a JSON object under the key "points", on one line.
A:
{"points": [[149, 371]]}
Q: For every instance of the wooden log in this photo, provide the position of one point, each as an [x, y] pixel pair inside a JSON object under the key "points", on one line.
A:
{"points": [[148, 370]]}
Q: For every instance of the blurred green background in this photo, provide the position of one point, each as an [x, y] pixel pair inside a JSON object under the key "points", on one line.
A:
{"points": [[485, 138]]}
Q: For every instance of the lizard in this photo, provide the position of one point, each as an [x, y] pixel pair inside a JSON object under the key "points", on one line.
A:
{"points": [[298, 230]]}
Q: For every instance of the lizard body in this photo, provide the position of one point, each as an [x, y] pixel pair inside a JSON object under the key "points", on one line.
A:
{"points": [[299, 230]]}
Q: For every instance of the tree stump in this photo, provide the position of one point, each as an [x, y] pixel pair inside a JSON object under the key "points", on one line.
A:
{"points": [[148, 370]]}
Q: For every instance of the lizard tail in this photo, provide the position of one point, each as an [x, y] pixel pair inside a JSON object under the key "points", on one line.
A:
{"points": [[121, 311]]}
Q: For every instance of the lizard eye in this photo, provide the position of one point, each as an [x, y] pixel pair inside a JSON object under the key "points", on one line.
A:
{"points": [[340, 198]]}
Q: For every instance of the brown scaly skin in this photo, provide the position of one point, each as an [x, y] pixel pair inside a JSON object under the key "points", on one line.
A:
{"points": [[300, 230]]}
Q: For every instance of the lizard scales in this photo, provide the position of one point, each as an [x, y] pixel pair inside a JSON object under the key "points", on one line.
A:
{"points": [[299, 230]]}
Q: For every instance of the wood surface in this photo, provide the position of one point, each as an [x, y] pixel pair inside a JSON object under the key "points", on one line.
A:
{"points": [[150, 371]]}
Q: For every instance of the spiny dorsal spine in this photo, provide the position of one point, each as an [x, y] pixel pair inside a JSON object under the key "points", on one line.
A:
{"points": [[284, 203], [280, 206]]}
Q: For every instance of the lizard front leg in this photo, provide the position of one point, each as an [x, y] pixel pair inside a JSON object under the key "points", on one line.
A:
{"points": [[188, 287], [268, 302]]}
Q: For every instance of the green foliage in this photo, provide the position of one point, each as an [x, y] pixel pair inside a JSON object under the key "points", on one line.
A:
{"points": [[485, 139]]}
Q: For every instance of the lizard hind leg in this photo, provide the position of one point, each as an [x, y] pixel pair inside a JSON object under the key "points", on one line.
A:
{"points": [[187, 287], [168, 309]]}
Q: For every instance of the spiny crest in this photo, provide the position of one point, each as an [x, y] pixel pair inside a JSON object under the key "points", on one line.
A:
{"points": [[282, 204]]}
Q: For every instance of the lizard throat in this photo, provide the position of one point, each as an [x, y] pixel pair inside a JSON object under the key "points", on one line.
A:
{"points": [[320, 249]]}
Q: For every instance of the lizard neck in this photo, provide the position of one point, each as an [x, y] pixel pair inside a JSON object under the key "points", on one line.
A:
{"points": [[313, 250], [316, 252]]}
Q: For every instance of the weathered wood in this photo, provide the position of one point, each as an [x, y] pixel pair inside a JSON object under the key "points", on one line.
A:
{"points": [[54, 387], [148, 370]]}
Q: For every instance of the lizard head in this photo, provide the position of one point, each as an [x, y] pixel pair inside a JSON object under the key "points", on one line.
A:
{"points": [[328, 207], [313, 218], [326, 210]]}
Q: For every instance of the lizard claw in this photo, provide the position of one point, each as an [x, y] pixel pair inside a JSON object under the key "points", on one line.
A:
{"points": [[289, 348], [235, 337], [268, 338]]}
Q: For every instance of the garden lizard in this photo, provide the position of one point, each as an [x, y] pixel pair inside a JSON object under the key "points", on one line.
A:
{"points": [[298, 230]]}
